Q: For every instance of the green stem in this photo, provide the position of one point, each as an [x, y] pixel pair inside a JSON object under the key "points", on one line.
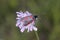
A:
{"points": [[37, 35]]}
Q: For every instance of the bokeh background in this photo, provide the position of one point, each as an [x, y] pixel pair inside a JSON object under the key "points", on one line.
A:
{"points": [[48, 24]]}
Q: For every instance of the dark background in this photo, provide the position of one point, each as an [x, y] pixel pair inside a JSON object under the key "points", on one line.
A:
{"points": [[48, 23]]}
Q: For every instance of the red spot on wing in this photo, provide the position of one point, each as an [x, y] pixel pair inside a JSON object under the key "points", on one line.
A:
{"points": [[31, 17]]}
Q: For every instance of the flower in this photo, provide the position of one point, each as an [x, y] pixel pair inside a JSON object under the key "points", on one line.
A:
{"points": [[25, 21]]}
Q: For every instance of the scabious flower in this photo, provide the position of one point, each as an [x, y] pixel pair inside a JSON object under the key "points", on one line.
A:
{"points": [[25, 21]]}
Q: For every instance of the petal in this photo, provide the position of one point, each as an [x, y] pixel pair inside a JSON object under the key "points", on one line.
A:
{"points": [[34, 28], [17, 12], [33, 23], [18, 15], [21, 24], [18, 21], [22, 29], [17, 24], [28, 29], [18, 18], [25, 15], [31, 28], [28, 13]]}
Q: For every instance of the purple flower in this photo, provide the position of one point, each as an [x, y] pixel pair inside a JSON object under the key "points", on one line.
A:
{"points": [[25, 21]]}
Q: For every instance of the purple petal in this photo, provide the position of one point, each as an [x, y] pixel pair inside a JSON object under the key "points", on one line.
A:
{"points": [[18, 15], [28, 29], [22, 29], [28, 13], [31, 28], [17, 24], [34, 28], [18, 18], [17, 12], [20, 26]]}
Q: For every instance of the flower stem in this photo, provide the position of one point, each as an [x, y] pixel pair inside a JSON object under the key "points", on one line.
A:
{"points": [[37, 35]]}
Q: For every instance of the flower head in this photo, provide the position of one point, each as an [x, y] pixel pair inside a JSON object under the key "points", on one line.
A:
{"points": [[25, 21]]}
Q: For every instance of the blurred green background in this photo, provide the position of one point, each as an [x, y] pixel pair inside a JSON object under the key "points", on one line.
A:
{"points": [[48, 23]]}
